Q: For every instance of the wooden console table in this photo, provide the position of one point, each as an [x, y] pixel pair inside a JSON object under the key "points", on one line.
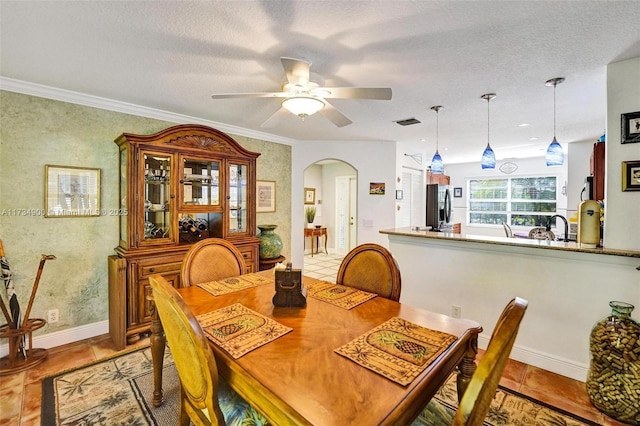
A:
{"points": [[315, 232]]}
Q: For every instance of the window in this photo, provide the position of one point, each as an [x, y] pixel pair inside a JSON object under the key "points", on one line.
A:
{"points": [[522, 201]]}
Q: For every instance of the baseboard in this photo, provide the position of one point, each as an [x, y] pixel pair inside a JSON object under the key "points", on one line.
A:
{"points": [[562, 366], [59, 338]]}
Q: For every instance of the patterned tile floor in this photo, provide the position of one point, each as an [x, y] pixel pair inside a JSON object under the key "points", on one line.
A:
{"points": [[21, 393]]}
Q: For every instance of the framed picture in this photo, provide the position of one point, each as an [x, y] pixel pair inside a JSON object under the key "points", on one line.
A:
{"points": [[631, 175], [309, 195], [631, 127], [71, 191], [457, 192], [376, 188], [266, 196], [399, 194]]}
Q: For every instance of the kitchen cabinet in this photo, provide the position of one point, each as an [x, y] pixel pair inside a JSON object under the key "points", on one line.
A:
{"points": [[597, 168], [438, 178], [176, 187]]}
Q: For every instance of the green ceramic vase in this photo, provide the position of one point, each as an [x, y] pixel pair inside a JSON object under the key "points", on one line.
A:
{"points": [[270, 242]]}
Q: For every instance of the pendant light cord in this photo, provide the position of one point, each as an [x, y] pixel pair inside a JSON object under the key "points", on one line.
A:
{"points": [[554, 110], [437, 128], [488, 100]]}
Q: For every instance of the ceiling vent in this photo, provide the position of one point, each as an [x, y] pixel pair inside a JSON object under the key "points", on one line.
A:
{"points": [[407, 122]]}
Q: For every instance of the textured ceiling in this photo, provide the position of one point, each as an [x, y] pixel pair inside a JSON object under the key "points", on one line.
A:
{"points": [[173, 55]]}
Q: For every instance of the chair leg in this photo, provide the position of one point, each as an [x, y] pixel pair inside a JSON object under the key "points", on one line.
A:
{"points": [[184, 419]]}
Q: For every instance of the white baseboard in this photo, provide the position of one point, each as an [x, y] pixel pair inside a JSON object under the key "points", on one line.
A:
{"points": [[562, 366], [59, 338]]}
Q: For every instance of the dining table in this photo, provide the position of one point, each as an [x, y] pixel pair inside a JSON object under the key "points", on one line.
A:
{"points": [[300, 379]]}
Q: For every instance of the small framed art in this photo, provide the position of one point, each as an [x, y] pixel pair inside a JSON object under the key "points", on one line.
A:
{"points": [[266, 199], [71, 191], [630, 127], [631, 175], [376, 188], [309, 195], [457, 192]]}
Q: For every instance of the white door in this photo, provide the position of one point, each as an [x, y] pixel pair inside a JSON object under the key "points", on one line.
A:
{"points": [[346, 214]]}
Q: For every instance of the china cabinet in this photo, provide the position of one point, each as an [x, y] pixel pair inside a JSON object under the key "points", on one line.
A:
{"points": [[177, 187]]}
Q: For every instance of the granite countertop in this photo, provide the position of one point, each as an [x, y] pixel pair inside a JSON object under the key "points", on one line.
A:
{"points": [[520, 242]]}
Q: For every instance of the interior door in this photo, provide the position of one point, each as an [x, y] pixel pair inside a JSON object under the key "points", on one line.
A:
{"points": [[346, 214]]}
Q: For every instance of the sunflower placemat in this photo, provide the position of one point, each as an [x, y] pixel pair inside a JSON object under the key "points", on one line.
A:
{"points": [[339, 295], [239, 330], [397, 349], [229, 285]]}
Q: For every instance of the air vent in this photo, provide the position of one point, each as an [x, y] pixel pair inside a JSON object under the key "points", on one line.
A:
{"points": [[407, 122]]}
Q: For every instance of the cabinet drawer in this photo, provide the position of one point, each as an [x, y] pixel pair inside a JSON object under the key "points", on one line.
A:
{"points": [[158, 266]]}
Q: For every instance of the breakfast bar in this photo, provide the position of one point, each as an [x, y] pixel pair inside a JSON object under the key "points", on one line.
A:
{"points": [[568, 287]]}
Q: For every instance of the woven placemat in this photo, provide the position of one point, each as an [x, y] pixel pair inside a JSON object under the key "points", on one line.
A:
{"points": [[229, 285], [338, 295], [397, 349], [239, 330]]}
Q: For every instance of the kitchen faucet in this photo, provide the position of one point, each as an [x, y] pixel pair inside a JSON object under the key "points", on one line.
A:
{"points": [[566, 225]]}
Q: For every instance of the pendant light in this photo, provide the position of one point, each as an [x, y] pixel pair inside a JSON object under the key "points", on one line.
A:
{"points": [[555, 154], [437, 166], [488, 156]]}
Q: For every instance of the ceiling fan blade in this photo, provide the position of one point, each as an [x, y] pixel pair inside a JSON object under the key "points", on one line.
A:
{"points": [[380, 93], [249, 95], [274, 120], [335, 116], [297, 71]]}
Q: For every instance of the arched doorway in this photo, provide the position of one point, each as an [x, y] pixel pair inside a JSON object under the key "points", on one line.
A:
{"points": [[335, 185]]}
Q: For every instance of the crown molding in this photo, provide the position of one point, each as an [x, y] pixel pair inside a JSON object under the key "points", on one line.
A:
{"points": [[48, 92]]}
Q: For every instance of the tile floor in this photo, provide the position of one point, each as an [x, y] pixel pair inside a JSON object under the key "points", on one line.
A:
{"points": [[20, 393]]}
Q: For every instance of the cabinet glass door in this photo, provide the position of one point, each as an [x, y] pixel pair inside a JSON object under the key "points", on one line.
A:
{"points": [[237, 198], [200, 182], [157, 193]]}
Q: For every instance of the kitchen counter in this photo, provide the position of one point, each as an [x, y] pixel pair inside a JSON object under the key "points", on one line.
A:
{"points": [[520, 242], [568, 288]]}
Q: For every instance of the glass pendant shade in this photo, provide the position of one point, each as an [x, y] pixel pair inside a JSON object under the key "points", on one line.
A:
{"points": [[437, 166], [488, 158], [555, 154], [303, 106]]}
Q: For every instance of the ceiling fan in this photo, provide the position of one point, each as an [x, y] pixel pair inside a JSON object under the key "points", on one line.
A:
{"points": [[304, 96]]}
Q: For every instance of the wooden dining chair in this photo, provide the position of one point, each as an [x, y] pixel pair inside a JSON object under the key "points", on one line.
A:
{"points": [[205, 399], [474, 405], [209, 260], [371, 267]]}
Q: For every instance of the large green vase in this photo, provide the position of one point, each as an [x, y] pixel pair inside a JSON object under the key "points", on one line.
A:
{"points": [[270, 242]]}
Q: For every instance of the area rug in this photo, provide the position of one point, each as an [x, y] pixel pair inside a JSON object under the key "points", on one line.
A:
{"points": [[397, 349], [119, 391], [339, 295]]}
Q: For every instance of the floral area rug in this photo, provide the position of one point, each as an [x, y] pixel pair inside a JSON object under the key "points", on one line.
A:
{"points": [[119, 391]]}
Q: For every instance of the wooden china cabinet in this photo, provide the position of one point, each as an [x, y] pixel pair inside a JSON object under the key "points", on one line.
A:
{"points": [[177, 187]]}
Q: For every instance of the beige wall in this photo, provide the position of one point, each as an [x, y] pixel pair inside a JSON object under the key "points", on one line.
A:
{"points": [[37, 131]]}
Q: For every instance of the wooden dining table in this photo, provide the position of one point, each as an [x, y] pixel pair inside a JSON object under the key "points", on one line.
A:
{"points": [[299, 379]]}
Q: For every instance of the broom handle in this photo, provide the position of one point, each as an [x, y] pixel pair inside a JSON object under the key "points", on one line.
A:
{"points": [[44, 258], [4, 307]]}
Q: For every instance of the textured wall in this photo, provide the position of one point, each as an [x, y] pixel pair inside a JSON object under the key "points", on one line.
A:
{"points": [[37, 131]]}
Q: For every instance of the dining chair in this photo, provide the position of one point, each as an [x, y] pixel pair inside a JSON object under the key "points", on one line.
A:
{"points": [[371, 267], [475, 403], [209, 260], [205, 398], [541, 233]]}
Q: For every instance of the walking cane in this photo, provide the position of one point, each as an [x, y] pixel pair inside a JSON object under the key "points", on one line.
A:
{"points": [[44, 258]]}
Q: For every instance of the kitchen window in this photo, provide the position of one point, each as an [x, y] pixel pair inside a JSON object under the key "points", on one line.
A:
{"points": [[517, 201]]}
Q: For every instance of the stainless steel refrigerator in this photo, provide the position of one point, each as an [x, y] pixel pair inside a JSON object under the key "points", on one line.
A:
{"points": [[439, 210]]}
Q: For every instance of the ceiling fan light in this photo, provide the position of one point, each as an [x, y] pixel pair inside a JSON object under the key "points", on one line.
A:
{"points": [[303, 106], [488, 158], [555, 154], [437, 165]]}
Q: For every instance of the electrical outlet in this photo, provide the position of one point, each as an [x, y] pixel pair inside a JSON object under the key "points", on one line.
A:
{"points": [[53, 315], [456, 311]]}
